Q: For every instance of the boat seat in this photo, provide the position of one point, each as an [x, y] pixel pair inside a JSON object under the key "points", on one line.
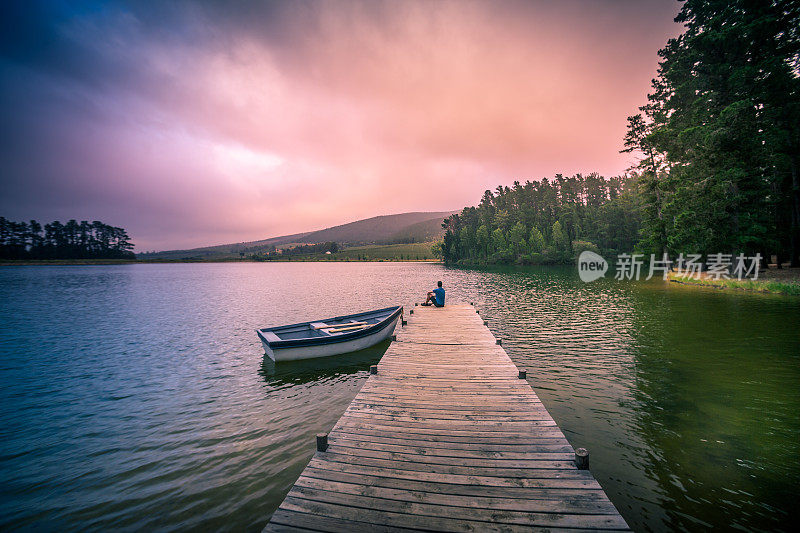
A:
{"points": [[330, 330], [318, 326], [270, 337]]}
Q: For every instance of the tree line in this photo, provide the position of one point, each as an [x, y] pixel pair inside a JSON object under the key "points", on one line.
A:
{"points": [[73, 240], [719, 138], [544, 222], [718, 149]]}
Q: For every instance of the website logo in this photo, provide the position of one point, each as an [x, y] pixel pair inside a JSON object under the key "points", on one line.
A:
{"points": [[591, 266]]}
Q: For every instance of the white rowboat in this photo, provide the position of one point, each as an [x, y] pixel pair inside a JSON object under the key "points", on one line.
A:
{"points": [[332, 336]]}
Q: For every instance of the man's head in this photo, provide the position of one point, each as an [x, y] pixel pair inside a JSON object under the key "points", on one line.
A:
{"points": [[440, 284]]}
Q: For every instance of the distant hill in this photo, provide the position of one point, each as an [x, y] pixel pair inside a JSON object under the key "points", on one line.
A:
{"points": [[413, 227], [424, 231], [385, 229]]}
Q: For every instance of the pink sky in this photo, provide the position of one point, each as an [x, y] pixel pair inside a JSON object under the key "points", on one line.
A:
{"points": [[198, 126]]}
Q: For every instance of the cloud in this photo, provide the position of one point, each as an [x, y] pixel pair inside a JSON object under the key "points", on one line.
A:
{"points": [[193, 123]]}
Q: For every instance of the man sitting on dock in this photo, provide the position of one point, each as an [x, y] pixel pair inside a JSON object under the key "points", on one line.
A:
{"points": [[436, 296]]}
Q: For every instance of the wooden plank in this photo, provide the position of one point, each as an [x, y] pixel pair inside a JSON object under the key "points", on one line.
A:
{"points": [[455, 393], [507, 423], [560, 504], [446, 437], [425, 448], [292, 520], [433, 442], [531, 459], [518, 412], [532, 479], [471, 437], [442, 487], [469, 405], [433, 383], [405, 502], [387, 513], [475, 402], [445, 465], [420, 429]]}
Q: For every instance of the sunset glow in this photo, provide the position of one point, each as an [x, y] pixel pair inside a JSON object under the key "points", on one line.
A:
{"points": [[190, 124]]}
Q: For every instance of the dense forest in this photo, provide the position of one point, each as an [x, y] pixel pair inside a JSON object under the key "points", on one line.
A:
{"points": [[719, 149], [73, 240], [545, 221]]}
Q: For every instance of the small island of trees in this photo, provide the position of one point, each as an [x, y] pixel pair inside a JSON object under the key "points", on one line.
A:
{"points": [[73, 240]]}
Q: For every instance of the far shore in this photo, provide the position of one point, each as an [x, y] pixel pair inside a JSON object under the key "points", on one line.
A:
{"points": [[79, 262], [35, 262]]}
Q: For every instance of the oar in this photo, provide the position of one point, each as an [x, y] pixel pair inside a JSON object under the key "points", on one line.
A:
{"points": [[348, 328], [339, 325]]}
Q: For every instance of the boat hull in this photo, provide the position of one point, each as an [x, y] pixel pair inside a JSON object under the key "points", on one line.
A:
{"points": [[294, 353]]}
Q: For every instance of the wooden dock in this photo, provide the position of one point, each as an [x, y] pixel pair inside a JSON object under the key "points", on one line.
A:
{"points": [[447, 436]]}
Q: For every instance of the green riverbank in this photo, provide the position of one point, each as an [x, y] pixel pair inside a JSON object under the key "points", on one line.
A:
{"points": [[783, 281], [409, 252]]}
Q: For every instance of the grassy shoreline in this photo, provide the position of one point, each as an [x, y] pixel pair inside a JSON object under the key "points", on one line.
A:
{"points": [[789, 283], [99, 262], [395, 253]]}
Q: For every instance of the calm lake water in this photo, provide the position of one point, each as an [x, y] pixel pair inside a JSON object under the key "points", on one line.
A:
{"points": [[138, 397]]}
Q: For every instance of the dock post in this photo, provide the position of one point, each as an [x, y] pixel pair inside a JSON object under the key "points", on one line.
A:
{"points": [[485, 322], [394, 337], [582, 459], [416, 304], [411, 312], [523, 374], [404, 322], [322, 442], [373, 369], [499, 341]]}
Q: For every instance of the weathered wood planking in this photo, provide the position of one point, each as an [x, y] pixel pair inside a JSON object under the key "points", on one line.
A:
{"points": [[445, 437]]}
